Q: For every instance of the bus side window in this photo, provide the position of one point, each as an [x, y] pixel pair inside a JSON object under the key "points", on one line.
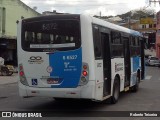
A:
{"points": [[116, 44], [116, 37], [97, 43]]}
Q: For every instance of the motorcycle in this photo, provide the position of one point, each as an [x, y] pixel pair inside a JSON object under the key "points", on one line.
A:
{"points": [[6, 70]]}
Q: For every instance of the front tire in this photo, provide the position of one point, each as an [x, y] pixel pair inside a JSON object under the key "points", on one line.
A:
{"points": [[116, 91]]}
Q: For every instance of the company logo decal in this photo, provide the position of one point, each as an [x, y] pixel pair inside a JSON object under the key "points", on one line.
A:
{"points": [[35, 60], [118, 67]]}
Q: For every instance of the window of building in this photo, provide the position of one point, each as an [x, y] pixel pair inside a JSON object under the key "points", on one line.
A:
{"points": [[143, 26], [150, 25]]}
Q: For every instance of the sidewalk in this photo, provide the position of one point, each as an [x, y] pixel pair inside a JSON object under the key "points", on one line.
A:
{"points": [[8, 79]]}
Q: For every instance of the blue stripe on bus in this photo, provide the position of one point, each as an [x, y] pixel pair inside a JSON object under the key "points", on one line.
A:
{"points": [[67, 67], [136, 64]]}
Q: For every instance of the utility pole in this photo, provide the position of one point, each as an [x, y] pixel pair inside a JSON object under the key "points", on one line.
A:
{"points": [[100, 14], [129, 19]]}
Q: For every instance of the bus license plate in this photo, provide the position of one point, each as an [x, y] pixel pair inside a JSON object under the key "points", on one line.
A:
{"points": [[53, 80]]}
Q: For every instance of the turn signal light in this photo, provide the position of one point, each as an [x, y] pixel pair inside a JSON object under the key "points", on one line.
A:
{"points": [[20, 68], [85, 67]]}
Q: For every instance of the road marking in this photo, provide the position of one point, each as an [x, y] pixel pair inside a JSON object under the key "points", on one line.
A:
{"points": [[148, 77]]}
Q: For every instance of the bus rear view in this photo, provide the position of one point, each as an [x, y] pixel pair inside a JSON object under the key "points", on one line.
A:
{"points": [[78, 56], [50, 56]]}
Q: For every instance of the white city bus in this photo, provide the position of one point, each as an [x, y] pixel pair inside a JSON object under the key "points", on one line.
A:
{"points": [[78, 56]]}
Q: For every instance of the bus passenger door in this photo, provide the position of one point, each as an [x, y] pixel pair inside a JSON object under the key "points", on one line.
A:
{"points": [[106, 63], [127, 61], [142, 59]]}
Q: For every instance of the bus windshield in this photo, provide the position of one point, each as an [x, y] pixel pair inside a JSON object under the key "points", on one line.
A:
{"points": [[54, 34]]}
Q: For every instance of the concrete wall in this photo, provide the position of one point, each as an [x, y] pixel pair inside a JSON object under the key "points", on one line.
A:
{"points": [[158, 36], [10, 12]]}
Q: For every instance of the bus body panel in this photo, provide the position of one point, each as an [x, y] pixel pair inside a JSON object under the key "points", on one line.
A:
{"points": [[87, 44], [79, 92], [67, 66], [58, 61], [87, 52], [118, 69], [99, 79]]}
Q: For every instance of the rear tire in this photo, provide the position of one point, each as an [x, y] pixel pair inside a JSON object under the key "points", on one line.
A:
{"points": [[116, 91]]}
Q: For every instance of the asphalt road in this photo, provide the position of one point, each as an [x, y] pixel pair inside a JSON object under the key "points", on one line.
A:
{"points": [[146, 99]]}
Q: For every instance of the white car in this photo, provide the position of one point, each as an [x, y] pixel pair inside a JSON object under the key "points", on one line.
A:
{"points": [[153, 61]]}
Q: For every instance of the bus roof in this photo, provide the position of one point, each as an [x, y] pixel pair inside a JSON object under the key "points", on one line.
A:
{"points": [[51, 17], [115, 27]]}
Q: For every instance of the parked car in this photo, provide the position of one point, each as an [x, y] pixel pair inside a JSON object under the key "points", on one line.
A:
{"points": [[153, 61]]}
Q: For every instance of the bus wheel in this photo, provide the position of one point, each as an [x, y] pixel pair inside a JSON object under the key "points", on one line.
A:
{"points": [[116, 90], [136, 86]]}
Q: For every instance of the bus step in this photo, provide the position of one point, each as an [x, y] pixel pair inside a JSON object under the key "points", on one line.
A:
{"points": [[126, 89]]}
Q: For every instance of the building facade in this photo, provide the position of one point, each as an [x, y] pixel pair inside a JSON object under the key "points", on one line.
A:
{"points": [[158, 36], [10, 12], [147, 26], [54, 12]]}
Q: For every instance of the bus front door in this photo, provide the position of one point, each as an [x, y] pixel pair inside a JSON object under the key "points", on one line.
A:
{"points": [[106, 63], [142, 60]]}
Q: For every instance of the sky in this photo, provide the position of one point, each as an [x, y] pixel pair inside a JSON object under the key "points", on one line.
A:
{"points": [[93, 7]]}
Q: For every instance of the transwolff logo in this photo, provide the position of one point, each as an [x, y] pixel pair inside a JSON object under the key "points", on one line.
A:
{"points": [[35, 60]]}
